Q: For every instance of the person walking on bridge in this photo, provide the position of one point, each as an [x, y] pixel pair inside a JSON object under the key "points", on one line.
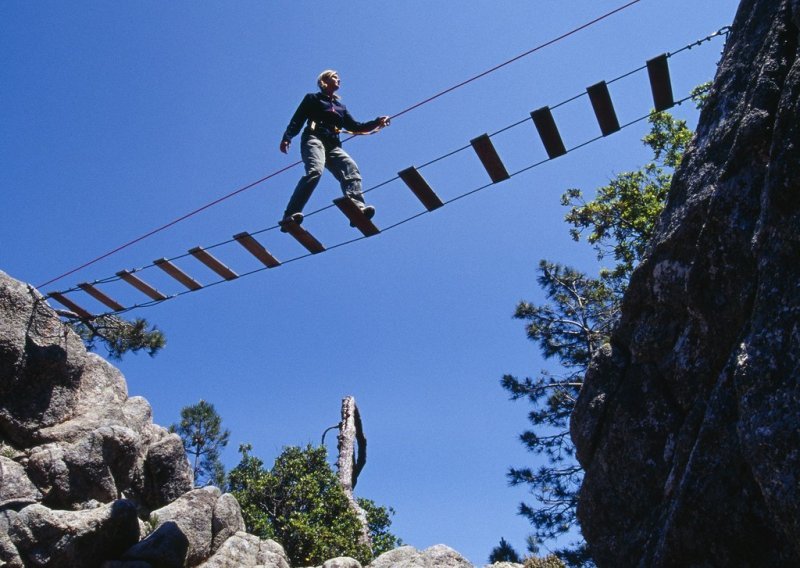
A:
{"points": [[324, 116]]}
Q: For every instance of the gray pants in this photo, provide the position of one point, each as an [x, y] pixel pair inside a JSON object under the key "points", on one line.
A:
{"points": [[316, 156]]}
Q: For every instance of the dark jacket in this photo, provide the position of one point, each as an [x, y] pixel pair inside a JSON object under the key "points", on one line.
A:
{"points": [[328, 115]]}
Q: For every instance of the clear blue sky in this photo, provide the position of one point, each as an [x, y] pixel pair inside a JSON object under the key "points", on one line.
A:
{"points": [[118, 117]]}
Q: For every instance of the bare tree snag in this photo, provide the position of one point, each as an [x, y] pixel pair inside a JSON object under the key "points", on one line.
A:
{"points": [[352, 458]]}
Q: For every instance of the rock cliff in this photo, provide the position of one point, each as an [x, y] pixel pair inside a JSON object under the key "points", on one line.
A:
{"points": [[87, 480], [688, 425], [82, 466]]}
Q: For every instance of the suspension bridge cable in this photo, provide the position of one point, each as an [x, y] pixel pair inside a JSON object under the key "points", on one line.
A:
{"points": [[390, 227], [518, 57], [290, 166], [722, 31]]}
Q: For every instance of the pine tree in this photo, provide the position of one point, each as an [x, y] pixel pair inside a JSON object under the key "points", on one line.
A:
{"points": [[503, 552], [203, 438], [118, 335]]}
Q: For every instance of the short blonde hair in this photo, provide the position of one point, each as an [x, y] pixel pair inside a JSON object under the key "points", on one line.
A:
{"points": [[324, 76]]}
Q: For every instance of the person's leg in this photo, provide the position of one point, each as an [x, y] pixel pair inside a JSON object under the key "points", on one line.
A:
{"points": [[313, 153], [345, 170]]}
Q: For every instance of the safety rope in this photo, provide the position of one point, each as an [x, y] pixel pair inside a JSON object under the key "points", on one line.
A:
{"points": [[290, 166], [722, 31], [383, 230]]}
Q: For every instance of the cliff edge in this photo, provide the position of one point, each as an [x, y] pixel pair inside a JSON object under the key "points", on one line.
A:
{"points": [[688, 425]]}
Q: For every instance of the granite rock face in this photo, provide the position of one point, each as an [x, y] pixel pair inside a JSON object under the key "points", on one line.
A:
{"points": [[82, 466], [688, 425], [54, 538], [244, 549], [439, 556]]}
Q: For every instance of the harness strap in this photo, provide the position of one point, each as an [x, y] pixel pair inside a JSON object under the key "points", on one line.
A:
{"points": [[312, 126]]}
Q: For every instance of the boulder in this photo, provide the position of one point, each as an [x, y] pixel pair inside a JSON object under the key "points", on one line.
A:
{"points": [[244, 549], [166, 547], [94, 469], [189, 517], [100, 397], [401, 556], [226, 520], [56, 539], [438, 556], [442, 556], [342, 562], [9, 556], [16, 489], [41, 362], [138, 416], [165, 474]]}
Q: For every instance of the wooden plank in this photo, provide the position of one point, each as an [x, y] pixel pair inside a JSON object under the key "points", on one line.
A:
{"points": [[548, 132], [177, 274], [303, 237], [414, 180], [64, 301], [660, 82], [603, 108], [208, 259], [141, 285], [256, 249], [489, 158], [100, 296], [356, 216]]}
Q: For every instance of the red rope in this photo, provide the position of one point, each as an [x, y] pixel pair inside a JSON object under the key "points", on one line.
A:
{"points": [[170, 224], [520, 56], [402, 112]]}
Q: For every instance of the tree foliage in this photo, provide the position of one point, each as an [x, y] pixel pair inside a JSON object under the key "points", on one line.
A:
{"points": [[620, 220], [576, 320], [203, 438], [119, 336], [550, 561], [300, 503], [571, 326], [503, 552], [621, 217], [379, 521]]}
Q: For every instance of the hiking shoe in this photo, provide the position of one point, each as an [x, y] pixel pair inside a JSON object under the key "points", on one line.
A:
{"points": [[367, 210], [293, 218]]}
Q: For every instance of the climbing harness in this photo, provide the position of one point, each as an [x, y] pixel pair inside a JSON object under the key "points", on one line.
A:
{"points": [[313, 126]]}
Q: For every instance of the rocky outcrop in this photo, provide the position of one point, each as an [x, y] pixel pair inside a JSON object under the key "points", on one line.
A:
{"points": [[244, 549], [439, 556], [688, 425], [192, 516], [82, 466], [87, 479], [16, 489], [53, 538]]}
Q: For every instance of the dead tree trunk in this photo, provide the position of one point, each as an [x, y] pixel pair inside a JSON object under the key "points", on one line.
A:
{"points": [[352, 457]]}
